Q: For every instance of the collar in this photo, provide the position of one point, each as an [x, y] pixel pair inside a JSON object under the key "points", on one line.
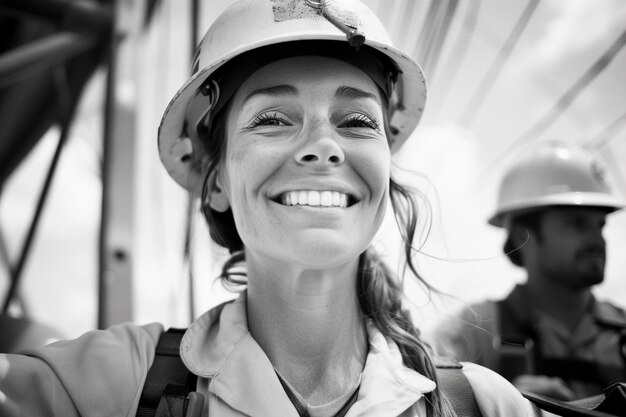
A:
{"points": [[608, 315], [219, 346]]}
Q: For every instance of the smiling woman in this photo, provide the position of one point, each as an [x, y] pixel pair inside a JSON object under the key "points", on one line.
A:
{"points": [[285, 132], [307, 130]]}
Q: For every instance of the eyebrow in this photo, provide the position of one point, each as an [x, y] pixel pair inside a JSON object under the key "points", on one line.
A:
{"points": [[276, 90], [345, 92]]}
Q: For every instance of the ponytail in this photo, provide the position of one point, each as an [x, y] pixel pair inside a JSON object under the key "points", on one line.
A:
{"points": [[380, 295]]}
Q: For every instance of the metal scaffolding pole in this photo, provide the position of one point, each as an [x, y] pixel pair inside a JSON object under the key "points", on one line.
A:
{"points": [[117, 257]]}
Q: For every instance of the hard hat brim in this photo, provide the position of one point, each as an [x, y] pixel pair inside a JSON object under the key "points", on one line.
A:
{"points": [[580, 199]]}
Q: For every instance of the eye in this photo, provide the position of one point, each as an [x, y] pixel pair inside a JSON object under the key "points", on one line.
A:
{"points": [[269, 119], [579, 223], [360, 120]]}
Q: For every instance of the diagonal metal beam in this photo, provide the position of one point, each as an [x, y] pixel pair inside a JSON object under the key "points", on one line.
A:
{"points": [[460, 48], [83, 16], [607, 134], [486, 83], [68, 108], [433, 34], [572, 93], [42, 55]]}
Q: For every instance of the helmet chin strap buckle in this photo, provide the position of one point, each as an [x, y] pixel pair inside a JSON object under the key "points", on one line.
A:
{"points": [[341, 18]]}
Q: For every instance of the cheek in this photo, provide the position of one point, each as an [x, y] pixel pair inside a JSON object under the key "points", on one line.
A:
{"points": [[247, 170], [236, 176], [374, 167], [560, 248]]}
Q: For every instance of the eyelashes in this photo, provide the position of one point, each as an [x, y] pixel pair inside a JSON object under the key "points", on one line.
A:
{"points": [[360, 120], [350, 121], [269, 119]]}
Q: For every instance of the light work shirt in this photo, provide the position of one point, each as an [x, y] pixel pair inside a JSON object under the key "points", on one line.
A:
{"points": [[102, 372]]}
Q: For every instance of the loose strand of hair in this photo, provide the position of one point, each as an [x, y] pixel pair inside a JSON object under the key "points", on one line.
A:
{"points": [[380, 295]]}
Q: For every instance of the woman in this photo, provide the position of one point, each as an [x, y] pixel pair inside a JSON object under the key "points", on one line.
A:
{"points": [[285, 131]]}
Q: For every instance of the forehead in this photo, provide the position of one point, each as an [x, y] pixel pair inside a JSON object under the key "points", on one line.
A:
{"points": [[308, 74], [557, 213]]}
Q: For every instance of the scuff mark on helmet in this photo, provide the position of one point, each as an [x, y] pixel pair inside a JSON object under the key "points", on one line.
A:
{"points": [[285, 10]]}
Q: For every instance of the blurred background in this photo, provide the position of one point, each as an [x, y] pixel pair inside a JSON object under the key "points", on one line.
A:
{"points": [[93, 231]]}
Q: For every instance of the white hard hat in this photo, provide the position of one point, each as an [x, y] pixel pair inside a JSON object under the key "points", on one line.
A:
{"points": [[553, 173], [265, 30]]}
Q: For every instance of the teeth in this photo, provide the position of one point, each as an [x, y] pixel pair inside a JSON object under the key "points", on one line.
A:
{"points": [[315, 199], [326, 198], [303, 197]]}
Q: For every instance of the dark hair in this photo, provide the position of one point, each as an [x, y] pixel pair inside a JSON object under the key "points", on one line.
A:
{"points": [[379, 291], [380, 294], [221, 224]]}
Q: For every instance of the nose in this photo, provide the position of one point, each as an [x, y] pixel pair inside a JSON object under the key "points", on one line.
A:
{"points": [[594, 235], [320, 148], [597, 235]]}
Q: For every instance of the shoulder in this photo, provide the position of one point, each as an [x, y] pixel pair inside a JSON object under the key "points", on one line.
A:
{"points": [[120, 341], [462, 334], [114, 361], [608, 311], [495, 395]]}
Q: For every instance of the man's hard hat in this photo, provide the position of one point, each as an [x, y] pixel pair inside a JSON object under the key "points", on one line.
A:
{"points": [[553, 173], [256, 25]]}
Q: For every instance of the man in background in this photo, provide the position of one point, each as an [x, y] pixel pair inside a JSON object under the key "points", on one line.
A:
{"points": [[550, 335]]}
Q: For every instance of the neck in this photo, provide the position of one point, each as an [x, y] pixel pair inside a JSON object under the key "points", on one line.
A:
{"points": [[309, 324], [565, 304]]}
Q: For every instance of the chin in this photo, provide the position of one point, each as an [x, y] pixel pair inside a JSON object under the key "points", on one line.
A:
{"points": [[595, 280], [592, 278], [327, 257], [326, 253]]}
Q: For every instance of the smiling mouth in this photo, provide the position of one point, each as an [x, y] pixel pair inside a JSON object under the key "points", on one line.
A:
{"points": [[316, 199]]}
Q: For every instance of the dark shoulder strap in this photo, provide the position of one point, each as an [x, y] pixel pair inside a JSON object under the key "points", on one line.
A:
{"points": [[590, 407], [456, 387], [515, 320], [517, 341], [169, 382]]}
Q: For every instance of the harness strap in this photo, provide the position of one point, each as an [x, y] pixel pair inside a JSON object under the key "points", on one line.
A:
{"points": [[582, 370], [169, 382], [586, 407], [521, 352], [456, 387]]}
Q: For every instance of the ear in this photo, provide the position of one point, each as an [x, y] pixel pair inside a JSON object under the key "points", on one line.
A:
{"points": [[218, 199], [521, 235]]}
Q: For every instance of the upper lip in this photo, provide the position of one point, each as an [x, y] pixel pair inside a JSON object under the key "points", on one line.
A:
{"points": [[594, 251]]}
